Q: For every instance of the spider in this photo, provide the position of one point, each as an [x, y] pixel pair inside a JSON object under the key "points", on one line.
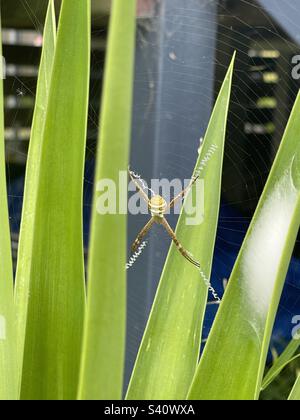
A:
{"points": [[158, 208]]}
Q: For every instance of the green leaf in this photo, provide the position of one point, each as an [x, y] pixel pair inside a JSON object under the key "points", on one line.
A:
{"points": [[104, 341], [169, 352], [281, 362], [56, 290], [34, 162], [295, 393], [8, 367], [234, 359]]}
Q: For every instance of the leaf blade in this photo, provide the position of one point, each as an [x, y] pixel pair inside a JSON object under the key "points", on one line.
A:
{"points": [[247, 313], [8, 367], [295, 393], [31, 180], [104, 340], [57, 291], [281, 362], [170, 348]]}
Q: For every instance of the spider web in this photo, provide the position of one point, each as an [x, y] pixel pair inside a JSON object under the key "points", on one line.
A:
{"points": [[237, 208]]}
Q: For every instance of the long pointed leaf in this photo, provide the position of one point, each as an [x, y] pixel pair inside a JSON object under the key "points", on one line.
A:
{"points": [[56, 291], [34, 162], [104, 342], [281, 362], [234, 359], [8, 367], [169, 352], [295, 394]]}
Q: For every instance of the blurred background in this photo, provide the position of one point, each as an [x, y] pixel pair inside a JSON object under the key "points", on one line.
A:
{"points": [[183, 50]]}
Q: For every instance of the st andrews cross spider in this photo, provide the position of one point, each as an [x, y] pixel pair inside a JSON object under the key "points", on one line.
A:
{"points": [[158, 208]]}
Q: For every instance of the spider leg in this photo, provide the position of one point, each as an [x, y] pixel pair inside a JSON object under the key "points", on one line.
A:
{"points": [[183, 192], [142, 192], [142, 234], [180, 248]]}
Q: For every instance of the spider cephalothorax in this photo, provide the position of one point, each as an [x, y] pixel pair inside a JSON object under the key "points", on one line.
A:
{"points": [[158, 208]]}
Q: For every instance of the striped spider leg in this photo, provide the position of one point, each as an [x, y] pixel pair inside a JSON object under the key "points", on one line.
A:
{"points": [[158, 207], [142, 234], [183, 192]]}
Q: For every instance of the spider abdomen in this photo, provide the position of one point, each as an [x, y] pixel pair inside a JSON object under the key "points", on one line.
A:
{"points": [[157, 206]]}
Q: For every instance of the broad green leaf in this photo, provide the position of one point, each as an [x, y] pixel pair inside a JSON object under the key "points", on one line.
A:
{"points": [[8, 367], [233, 362], [34, 162], [281, 362], [295, 394], [104, 340], [56, 290], [169, 352]]}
